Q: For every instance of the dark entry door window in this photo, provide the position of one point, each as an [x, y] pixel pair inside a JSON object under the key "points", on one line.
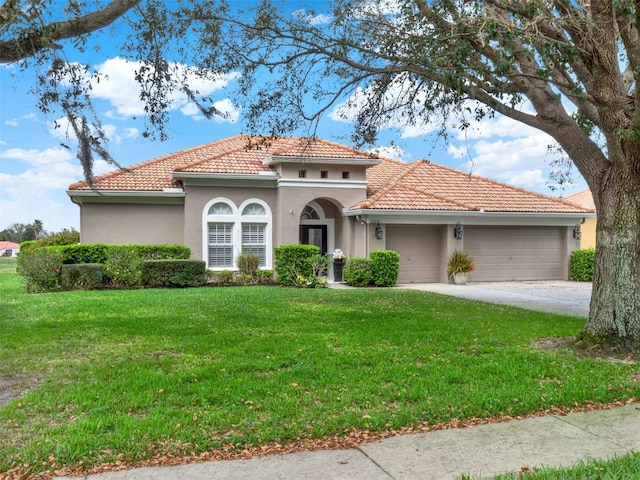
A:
{"points": [[314, 235]]}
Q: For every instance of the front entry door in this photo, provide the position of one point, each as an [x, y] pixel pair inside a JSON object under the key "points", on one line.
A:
{"points": [[314, 235]]}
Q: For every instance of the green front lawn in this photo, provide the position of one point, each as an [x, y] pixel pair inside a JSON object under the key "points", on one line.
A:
{"points": [[7, 264], [133, 375]]}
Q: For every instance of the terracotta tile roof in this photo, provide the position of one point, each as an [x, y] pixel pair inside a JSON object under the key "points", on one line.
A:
{"points": [[391, 185], [423, 185], [240, 154], [4, 245], [583, 199]]}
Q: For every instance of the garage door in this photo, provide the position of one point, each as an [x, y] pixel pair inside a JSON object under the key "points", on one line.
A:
{"points": [[419, 249], [515, 253]]}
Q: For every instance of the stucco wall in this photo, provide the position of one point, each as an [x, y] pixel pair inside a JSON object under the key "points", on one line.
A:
{"points": [[588, 233], [131, 223], [196, 199]]}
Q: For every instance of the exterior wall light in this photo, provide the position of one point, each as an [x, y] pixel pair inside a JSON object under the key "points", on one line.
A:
{"points": [[576, 232], [458, 231], [379, 231]]}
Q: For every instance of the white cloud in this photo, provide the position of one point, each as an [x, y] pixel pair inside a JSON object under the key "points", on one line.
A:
{"points": [[318, 19], [61, 129], [392, 151], [519, 161], [36, 187], [118, 86], [11, 123]]}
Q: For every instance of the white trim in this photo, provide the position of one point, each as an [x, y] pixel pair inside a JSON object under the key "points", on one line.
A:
{"points": [[323, 220], [236, 218], [422, 217], [166, 193], [306, 183], [276, 159]]}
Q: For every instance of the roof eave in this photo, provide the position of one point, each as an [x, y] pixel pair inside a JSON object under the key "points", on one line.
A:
{"points": [[277, 159], [462, 213], [167, 193], [268, 176]]}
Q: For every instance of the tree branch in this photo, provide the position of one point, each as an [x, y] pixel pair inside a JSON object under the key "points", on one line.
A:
{"points": [[44, 38]]}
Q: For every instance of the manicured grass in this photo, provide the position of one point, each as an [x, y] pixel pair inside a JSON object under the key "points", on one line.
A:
{"points": [[7, 264], [130, 375], [626, 467]]}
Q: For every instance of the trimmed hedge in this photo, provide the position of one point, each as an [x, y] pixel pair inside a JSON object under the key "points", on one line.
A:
{"points": [[385, 265], [83, 276], [99, 253], [581, 264], [358, 272], [41, 266], [293, 261], [173, 273]]}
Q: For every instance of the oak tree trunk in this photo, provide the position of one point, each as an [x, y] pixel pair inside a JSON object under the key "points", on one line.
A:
{"points": [[615, 299]]}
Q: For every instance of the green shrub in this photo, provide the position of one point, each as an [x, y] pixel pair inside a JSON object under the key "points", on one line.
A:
{"points": [[122, 267], [385, 266], [64, 237], [240, 278], [582, 263], [265, 277], [173, 273], [248, 264], [83, 276], [221, 278], [292, 261], [83, 253], [358, 272], [41, 270], [162, 252]]}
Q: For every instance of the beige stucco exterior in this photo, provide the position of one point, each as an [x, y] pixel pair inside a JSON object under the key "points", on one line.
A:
{"points": [[131, 223], [329, 188]]}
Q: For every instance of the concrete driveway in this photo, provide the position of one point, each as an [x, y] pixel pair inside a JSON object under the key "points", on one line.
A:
{"points": [[566, 298]]}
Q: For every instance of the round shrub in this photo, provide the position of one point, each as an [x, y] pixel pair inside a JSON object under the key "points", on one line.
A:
{"points": [[385, 265], [358, 272]]}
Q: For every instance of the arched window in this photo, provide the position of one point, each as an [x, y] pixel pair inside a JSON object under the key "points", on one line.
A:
{"points": [[230, 231], [254, 232], [309, 213]]}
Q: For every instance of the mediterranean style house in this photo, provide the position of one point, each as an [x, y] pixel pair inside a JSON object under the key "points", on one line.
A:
{"points": [[251, 194]]}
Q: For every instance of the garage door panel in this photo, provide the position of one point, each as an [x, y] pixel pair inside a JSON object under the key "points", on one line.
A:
{"points": [[419, 249], [515, 253]]}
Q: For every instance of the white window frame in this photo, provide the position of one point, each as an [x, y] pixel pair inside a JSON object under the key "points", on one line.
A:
{"points": [[237, 219]]}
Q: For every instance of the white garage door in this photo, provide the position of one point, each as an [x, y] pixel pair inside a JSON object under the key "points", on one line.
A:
{"points": [[419, 249], [515, 253]]}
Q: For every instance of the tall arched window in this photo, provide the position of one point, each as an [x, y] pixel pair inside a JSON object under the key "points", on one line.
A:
{"points": [[230, 231], [254, 232], [220, 222]]}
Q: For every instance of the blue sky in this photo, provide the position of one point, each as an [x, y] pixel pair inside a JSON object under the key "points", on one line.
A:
{"points": [[35, 169]]}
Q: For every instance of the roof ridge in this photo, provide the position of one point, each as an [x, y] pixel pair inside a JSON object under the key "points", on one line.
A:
{"points": [[185, 166], [314, 138]]}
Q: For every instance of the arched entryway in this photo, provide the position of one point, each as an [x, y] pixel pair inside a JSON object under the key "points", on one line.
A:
{"points": [[316, 228]]}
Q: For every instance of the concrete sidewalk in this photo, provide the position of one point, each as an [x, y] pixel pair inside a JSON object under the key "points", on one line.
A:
{"points": [[486, 450]]}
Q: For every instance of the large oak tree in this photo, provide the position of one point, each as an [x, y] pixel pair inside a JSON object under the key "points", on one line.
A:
{"points": [[565, 67]]}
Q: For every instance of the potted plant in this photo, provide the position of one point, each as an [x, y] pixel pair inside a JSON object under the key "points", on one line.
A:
{"points": [[338, 264], [459, 265]]}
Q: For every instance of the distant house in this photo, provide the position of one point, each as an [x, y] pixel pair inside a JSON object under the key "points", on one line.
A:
{"points": [[251, 194], [9, 249], [588, 228]]}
